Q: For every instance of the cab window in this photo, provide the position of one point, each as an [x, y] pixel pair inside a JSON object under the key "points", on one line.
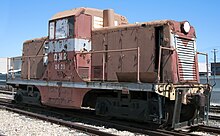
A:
{"points": [[62, 28]]}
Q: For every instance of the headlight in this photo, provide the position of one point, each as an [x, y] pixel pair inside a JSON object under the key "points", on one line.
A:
{"points": [[186, 27]]}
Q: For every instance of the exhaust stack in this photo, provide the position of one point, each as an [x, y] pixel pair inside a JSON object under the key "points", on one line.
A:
{"points": [[108, 18]]}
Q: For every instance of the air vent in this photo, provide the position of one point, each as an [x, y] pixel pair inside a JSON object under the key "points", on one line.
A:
{"points": [[186, 59]]}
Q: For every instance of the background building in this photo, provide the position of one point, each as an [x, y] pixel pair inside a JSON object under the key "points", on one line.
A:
{"points": [[14, 63], [215, 68], [3, 65], [203, 69]]}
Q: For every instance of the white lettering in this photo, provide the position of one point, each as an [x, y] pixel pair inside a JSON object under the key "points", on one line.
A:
{"points": [[60, 56], [55, 57], [64, 56], [62, 66], [56, 66]]}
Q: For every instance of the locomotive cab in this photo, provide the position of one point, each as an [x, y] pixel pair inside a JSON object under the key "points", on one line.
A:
{"points": [[67, 36]]}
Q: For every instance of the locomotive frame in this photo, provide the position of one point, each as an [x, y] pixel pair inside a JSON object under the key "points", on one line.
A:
{"points": [[66, 70]]}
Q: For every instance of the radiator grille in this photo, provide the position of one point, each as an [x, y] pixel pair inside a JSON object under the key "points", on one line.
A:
{"points": [[186, 59]]}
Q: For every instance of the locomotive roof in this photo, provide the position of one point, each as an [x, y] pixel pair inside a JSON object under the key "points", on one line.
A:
{"points": [[175, 26], [77, 11], [154, 23], [35, 39]]}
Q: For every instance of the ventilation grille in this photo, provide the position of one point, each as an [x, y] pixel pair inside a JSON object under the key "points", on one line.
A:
{"points": [[186, 59]]}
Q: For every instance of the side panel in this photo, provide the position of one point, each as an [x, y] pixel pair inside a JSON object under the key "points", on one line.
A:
{"points": [[83, 26], [32, 56], [64, 64], [62, 97], [169, 61], [98, 43], [145, 38], [123, 65], [114, 60], [129, 39]]}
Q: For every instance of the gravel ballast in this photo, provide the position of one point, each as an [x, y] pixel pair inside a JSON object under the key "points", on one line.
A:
{"points": [[20, 125]]}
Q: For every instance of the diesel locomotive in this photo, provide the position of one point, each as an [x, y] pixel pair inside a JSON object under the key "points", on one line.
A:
{"points": [[91, 58]]}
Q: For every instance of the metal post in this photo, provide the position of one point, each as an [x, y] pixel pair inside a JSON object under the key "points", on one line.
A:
{"points": [[138, 64], [13, 92], [13, 73], [214, 53], [207, 65], [158, 72], [177, 108], [160, 53], [103, 67], [7, 69], [160, 108], [29, 68], [208, 106], [206, 117], [207, 68]]}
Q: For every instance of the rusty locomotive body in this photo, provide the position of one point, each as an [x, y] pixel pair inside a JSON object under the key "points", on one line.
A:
{"points": [[94, 58]]}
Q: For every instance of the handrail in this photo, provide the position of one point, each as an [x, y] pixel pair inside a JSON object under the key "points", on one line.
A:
{"points": [[8, 65], [119, 50], [160, 53], [103, 57], [207, 65]]}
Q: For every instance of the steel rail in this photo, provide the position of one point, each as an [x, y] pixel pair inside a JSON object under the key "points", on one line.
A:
{"points": [[204, 128], [138, 129], [212, 117], [151, 132], [83, 128]]}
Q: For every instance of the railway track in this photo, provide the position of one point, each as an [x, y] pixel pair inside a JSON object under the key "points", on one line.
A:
{"points": [[68, 118], [92, 130], [215, 109], [213, 117], [214, 130], [82, 127], [76, 126]]}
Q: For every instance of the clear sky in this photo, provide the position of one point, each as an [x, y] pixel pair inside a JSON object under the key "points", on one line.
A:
{"points": [[21, 20]]}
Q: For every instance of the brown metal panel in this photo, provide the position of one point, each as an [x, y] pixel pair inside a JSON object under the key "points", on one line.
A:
{"points": [[142, 36], [149, 77], [169, 61], [126, 61], [64, 70], [133, 38], [114, 60], [32, 49], [129, 59], [146, 42], [83, 26], [24, 70], [84, 66], [62, 97], [98, 42]]}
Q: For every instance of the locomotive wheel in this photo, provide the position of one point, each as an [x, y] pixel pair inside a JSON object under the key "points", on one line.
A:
{"points": [[102, 107]]}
